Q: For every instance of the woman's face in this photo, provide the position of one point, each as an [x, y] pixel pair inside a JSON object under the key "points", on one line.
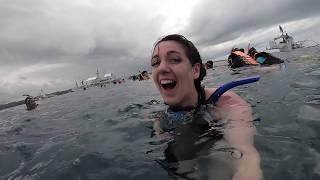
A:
{"points": [[174, 75]]}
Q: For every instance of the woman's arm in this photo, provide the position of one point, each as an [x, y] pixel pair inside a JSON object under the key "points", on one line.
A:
{"points": [[239, 133]]}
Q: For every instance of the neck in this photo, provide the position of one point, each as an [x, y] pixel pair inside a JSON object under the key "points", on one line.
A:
{"points": [[194, 98], [192, 103]]}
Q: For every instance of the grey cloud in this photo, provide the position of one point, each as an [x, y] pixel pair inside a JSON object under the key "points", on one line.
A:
{"points": [[215, 22], [23, 78], [44, 31]]}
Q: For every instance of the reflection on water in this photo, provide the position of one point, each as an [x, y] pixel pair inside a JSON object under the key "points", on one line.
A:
{"points": [[107, 133]]}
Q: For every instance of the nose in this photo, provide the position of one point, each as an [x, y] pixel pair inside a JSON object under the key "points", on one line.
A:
{"points": [[163, 66]]}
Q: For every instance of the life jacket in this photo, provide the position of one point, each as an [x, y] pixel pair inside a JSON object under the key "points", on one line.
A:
{"points": [[246, 58]]}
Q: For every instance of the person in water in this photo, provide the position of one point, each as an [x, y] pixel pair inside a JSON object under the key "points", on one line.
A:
{"points": [[144, 76], [30, 103], [239, 58], [208, 65], [177, 72]]}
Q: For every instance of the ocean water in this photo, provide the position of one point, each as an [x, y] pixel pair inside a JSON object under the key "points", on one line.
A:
{"points": [[106, 133]]}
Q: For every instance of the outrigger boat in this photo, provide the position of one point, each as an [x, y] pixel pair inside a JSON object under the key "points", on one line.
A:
{"points": [[284, 42]]}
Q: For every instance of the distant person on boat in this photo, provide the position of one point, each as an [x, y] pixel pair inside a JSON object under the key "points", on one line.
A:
{"points": [[30, 103], [239, 58], [177, 71]]}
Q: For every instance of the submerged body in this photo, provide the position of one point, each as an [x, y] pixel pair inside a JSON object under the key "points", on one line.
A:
{"points": [[221, 134]]}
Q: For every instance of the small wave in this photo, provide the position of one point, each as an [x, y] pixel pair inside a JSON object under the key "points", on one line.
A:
{"points": [[313, 100], [16, 130]]}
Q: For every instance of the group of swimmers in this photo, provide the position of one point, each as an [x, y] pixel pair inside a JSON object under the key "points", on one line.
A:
{"points": [[239, 58], [144, 75]]}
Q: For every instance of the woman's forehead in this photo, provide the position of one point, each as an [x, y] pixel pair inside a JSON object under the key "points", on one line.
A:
{"points": [[167, 47]]}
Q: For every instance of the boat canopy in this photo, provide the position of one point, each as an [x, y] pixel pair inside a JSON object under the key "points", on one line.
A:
{"points": [[91, 78]]}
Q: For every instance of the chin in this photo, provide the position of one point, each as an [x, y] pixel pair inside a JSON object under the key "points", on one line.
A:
{"points": [[170, 102]]}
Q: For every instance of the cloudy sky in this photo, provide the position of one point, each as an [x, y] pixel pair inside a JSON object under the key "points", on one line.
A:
{"points": [[51, 44]]}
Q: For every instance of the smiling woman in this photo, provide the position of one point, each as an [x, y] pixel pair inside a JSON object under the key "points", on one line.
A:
{"points": [[175, 87], [177, 71]]}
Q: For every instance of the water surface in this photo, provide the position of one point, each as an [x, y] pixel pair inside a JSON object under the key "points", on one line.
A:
{"points": [[106, 133]]}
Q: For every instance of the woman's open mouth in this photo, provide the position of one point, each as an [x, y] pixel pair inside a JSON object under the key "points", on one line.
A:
{"points": [[168, 84]]}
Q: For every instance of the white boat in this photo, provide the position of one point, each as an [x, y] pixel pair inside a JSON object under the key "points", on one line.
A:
{"points": [[97, 80], [284, 42]]}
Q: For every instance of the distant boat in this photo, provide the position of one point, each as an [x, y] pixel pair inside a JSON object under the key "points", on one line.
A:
{"points": [[284, 42], [99, 81]]}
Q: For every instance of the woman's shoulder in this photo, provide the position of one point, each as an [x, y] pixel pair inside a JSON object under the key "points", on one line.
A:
{"points": [[229, 98]]}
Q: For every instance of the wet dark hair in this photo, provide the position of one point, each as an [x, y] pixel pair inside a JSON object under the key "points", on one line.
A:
{"points": [[209, 64], [192, 54]]}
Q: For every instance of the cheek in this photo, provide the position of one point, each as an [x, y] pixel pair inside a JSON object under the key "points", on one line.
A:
{"points": [[153, 75]]}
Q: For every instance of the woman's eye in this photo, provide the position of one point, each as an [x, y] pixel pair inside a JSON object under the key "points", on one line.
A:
{"points": [[175, 60], [155, 62]]}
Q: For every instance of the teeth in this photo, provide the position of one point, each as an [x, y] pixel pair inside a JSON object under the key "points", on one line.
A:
{"points": [[166, 81]]}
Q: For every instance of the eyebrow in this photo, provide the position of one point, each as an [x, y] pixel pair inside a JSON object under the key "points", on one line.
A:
{"points": [[173, 52], [168, 53]]}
